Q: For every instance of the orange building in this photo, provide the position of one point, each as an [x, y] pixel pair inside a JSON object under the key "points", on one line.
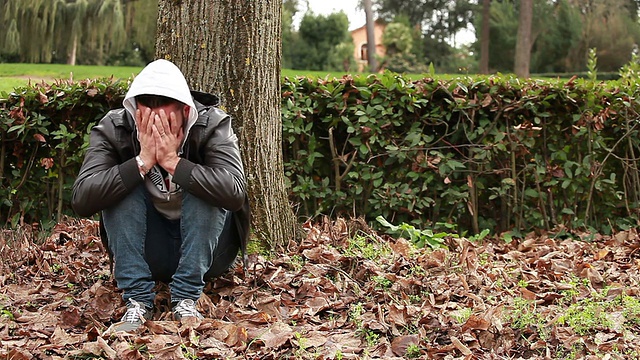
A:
{"points": [[359, 37]]}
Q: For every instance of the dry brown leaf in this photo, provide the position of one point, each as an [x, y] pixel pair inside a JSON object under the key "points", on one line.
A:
{"points": [[601, 254], [276, 335], [399, 344], [475, 322], [19, 354], [527, 294], [317, 300], [402, 247], [460, 346]]}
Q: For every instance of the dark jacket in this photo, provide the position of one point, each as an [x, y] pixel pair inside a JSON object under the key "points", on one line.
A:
{"points": [[210, 168]]}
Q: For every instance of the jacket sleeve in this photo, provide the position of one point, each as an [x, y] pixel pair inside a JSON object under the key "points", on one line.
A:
{"points": [[220, 180], [104, 177]]}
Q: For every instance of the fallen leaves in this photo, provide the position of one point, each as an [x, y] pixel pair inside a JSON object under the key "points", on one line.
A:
{"points": [[344, 292]]}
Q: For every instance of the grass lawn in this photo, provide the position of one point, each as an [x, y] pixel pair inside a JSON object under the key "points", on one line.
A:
{"points": [[15, 75]]}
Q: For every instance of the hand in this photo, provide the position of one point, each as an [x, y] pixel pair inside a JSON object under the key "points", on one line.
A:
{"points": [[144, 123], [168, 135]]}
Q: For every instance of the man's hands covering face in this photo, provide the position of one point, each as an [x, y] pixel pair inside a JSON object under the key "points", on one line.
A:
{"points": [[160, 138]]}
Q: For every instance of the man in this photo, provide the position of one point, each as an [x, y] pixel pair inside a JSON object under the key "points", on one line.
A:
{"points": [[165, 173]]}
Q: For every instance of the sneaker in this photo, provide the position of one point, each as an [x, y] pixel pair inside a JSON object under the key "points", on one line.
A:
{"points": [[185, 308], [136, 314]]}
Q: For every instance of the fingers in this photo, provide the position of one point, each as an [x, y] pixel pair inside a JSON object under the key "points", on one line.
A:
{"points": [[166, 124], [144, 120], [162, 131], [160, 135], [175, 127]]}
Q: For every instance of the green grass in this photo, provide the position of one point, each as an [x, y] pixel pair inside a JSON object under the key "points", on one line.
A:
{"points": [[15, 75], [63, 71], [8, 83]]}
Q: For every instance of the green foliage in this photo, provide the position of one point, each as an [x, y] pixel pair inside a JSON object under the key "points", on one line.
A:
{"points": [[62, 27], [366, 246], [404, 63], [440, 17], [369, 336], [571, 28], [585, 317], [413, 351], [397, 38], [289, 35], [323, 43], [630, 71], [592, 65], [96, 31], [556, 49], [419, 238], [6, 313], [502, 36], [617, 32], [599, 311], [492, 153], [461, 315], [44, 135], [382, 282], [480, 154], [523, 315]]}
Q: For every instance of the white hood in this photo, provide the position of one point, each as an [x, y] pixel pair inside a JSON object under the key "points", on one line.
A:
{"points": [[161, 77]]}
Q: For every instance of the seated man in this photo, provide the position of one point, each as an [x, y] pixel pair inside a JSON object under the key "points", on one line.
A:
{"points": [[165, 173]]}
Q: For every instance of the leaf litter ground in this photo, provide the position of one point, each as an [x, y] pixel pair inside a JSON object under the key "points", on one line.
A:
{"points": [[345, 292]]}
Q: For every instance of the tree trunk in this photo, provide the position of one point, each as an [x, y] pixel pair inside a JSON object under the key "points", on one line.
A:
{"points": [[484, 37], [371, 37], [232, 48], [71, 60], [523, 41]]}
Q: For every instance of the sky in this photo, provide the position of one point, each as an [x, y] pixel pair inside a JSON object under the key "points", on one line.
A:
{"points": [[356, 16]]}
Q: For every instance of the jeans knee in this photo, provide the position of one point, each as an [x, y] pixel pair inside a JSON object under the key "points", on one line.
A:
{"points": [[125, 209], [197, 212]]}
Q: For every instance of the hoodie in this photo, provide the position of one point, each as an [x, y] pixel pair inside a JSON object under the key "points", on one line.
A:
{"points": [[162, 77]]}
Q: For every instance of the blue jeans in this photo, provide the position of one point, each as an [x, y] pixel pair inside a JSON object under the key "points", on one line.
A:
{"points": [[147, 247]]}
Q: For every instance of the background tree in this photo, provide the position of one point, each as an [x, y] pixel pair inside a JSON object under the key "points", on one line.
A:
{"points": [[233, 48], [398, 42], [611, 28], [371, 38], [524, 39], [563, 31], [320, 38], [484, 37], [554, 48], [140, 26], [289, 35], [438, 21], [502, 37], [62, 30]]}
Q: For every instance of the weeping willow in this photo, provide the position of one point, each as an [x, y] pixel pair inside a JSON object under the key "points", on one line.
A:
{"points": [[62, 30]]}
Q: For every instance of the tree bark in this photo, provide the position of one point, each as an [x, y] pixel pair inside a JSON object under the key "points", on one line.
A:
{"points": [[232, 48], [523, 41], [71, 60], [484, 37], [371, 37]]}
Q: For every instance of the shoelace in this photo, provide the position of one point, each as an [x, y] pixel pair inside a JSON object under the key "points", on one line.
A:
{"points": [[134, 313], [186, 307]]}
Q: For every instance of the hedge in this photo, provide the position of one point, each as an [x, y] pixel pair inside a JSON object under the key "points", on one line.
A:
{"points": [[492, 152]]}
